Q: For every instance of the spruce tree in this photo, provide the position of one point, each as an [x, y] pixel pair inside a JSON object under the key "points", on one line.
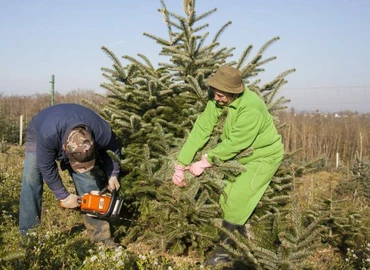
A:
{"points": [[284, 244], [360, 180], [347, 226], [152, 109]]}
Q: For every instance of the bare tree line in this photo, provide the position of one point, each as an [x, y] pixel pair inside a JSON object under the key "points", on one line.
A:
{"points": [[13, 106], [316, 134], [325, 135]]}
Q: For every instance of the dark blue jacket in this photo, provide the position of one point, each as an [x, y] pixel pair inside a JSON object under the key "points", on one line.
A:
{"points": [[49, 129]]}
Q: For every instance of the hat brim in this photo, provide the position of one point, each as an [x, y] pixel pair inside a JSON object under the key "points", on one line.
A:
{"points": [[219, 86], [82, 167]]}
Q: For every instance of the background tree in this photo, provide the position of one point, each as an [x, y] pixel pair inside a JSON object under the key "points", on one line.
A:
{"points": [[13, 106]]}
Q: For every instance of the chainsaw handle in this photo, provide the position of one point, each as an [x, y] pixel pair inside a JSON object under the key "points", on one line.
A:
{"points": [[103, 190]]}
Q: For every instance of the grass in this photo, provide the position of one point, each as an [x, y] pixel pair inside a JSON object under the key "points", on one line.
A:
{"points": [[60, 242]]}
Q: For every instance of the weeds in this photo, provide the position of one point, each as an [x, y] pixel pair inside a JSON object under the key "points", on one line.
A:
{"points": [[60, 242]]}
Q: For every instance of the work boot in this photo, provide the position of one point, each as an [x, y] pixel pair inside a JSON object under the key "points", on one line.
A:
{"points": [[97, 229], [221, 255], [232, 227]]}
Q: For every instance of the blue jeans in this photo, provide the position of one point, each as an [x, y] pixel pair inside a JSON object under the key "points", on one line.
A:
{"points": [[31, 198]]}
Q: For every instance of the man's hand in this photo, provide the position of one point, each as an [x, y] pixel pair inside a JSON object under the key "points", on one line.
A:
{"points": [[178, 175], [113, 183], [197, 168], [70, 202]]}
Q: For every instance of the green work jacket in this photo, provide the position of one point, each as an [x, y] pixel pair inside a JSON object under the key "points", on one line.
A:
{"points": [[248, 125]]}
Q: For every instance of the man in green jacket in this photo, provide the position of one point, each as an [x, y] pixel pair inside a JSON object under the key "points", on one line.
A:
{"points": [[248, 125]]}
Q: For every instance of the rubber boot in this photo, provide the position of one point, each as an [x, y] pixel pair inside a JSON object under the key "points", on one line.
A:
{"points": [[221, 255], [232, 227]]}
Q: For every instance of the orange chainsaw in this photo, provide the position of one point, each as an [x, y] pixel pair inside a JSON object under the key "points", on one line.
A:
{"points": [[101, 205]]}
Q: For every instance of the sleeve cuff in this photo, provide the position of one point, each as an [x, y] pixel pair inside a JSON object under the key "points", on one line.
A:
{"points": [[61, 193]]}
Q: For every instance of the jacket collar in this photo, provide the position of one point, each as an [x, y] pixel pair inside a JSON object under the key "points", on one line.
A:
{"points": [[236, 102]]}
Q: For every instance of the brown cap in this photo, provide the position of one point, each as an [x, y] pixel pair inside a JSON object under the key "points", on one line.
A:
{"points": [[227, 79], [80, 149]]}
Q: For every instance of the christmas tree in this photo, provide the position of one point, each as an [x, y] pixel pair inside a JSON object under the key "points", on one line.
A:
{"points": [[152, 109]]}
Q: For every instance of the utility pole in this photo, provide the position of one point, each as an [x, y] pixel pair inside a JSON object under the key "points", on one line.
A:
{"points": [[52, 89], [21, 130]]}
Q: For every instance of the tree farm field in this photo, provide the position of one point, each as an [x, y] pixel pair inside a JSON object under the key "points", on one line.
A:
{"points": [[61, 242]]}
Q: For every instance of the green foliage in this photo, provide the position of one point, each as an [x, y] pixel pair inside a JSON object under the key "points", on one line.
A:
{"points": [[9, 185], [282, 239], [58, 249], [144, 99], [348, 227], [4, 147], [12, 254], [345, 225], [292, 245], [152, 110], [179, 220], [9, 131], [60, 242], [359, 184]]}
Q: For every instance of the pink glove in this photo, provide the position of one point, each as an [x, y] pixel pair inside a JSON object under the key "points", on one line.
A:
{"points": [[197, 168], [178, 175]]}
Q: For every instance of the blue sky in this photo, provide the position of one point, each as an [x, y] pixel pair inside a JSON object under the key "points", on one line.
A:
{"points": [[327, 41]]}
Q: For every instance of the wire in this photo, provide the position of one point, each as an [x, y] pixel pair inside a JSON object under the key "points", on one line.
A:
{"points": [[329, 87]]}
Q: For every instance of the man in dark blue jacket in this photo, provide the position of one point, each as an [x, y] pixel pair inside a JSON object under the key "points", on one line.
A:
{"points": [[78, 138]]}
